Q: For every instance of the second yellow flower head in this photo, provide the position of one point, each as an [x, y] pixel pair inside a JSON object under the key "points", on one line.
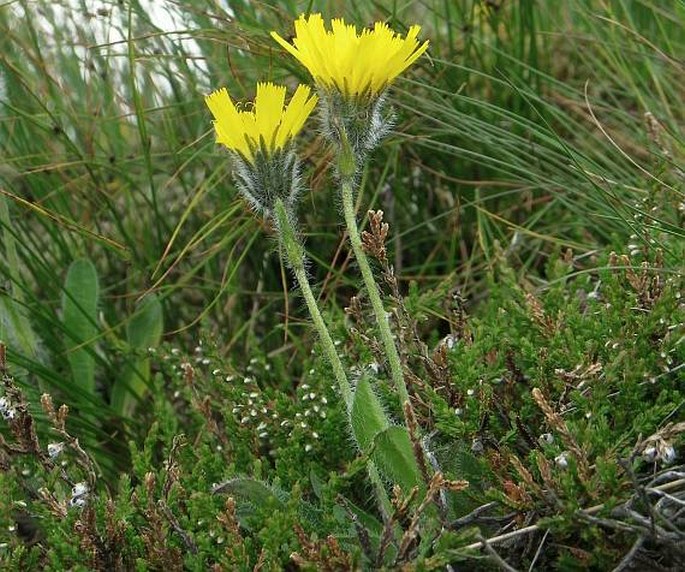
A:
{"points": [[269, 126], [355, 64]]}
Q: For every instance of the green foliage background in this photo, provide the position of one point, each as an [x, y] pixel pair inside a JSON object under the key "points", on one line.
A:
{"points": [[536, 139]]}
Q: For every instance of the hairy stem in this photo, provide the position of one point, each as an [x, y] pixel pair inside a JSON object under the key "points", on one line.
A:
{"points": [[293, 250], [391, 352], [294, 254]]}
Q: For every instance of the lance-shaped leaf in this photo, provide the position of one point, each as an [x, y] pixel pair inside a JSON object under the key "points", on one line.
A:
{"points": [[79, 315]]}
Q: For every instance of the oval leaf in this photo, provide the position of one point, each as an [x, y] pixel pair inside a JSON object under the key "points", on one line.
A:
{"points": [[367, 416], [79, 315], [143, 331], [394, 456]]}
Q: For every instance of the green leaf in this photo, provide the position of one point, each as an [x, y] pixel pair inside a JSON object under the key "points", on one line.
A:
{"points": [[394, 456], [79, 315], [252, 490], [16, 329], [389, 446], [367, 416], [15, 325], [250, 494], [143, 331]]}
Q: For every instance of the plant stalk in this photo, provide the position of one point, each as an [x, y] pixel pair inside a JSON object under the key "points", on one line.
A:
{"points": [[347, 171], [294, 254], [293, 250]]}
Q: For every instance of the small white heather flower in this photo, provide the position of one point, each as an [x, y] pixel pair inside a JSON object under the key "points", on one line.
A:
{"points": [[9, 414], [562, 460], [54, 449], [546, 439], [477, 446], [668, 455], [79, 489], [77, 502]]}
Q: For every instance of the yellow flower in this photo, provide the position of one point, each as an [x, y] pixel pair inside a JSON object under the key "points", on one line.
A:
{"points": [[268, 126], [354, 64]]}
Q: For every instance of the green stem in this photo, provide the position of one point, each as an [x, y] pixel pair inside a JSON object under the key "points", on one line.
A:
{"points": [[373, 291], [294, 253]]}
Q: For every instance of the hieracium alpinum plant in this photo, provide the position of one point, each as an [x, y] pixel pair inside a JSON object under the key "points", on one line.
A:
{"points": [[267, 173], [352, 71]]}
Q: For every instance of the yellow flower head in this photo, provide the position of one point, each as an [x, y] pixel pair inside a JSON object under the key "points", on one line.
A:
{"points": [[354, 64], [268, 126]]}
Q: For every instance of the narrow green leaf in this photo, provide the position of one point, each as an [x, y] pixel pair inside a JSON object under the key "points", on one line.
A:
{"points": [[394, 456], [79, 314], [252, 493], [143, 331], [15, 326], [252, 490], [367, 416]]}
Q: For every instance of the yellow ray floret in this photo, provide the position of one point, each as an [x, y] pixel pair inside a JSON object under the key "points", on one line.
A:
{"points": [[268, 124], [355, 64]]}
